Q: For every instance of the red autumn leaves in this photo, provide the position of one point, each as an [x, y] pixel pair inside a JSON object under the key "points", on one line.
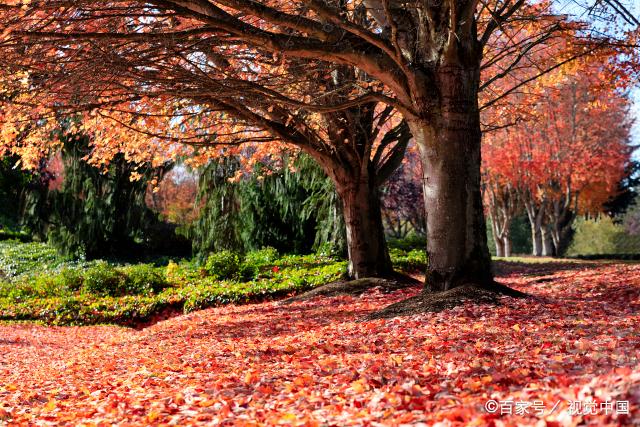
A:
{"points": [[315, 363]]}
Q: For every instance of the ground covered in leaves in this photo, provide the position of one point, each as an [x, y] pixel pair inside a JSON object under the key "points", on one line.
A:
{"points": [[316, 362]]}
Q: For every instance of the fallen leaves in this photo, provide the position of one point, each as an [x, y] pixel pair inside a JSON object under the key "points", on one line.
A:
{"points": [[316, 363]]}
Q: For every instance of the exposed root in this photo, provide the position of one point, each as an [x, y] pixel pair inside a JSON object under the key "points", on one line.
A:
{"points": [[356, 287], [439, 301]]}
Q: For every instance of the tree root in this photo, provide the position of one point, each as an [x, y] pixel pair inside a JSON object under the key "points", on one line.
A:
{"points": [[356, 287], [435, 302]]}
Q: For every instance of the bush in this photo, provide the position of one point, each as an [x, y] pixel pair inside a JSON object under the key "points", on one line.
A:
{"points": [[413, 260], [248, 272], [143, 279], [223, 265], [103, 279], [98, 292], [17, 258], [265, 256], [408, 243], [255, 261], [602, 237], [71, 278]]}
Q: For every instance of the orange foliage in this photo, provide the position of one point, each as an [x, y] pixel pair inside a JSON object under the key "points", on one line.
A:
{"points": [[573, 143]]}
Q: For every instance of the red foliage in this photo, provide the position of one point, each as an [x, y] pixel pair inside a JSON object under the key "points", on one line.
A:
{"points": [[314, 363]]}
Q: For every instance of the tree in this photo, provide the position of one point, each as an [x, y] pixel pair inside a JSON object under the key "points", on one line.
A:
{"points": [[14, 184], [423, 59], [173, 196], [568, 159], [403, 207], [289, 206]]}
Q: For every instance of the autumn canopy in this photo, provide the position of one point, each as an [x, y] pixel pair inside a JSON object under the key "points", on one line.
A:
{"points": [[347, 82]]}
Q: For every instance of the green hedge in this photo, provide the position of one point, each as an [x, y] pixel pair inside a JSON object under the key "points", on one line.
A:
{"points": [[100, 292], [46, 288]]}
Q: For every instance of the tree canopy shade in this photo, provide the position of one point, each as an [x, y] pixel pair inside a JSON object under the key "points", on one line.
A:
{"points": [[139, 61]]}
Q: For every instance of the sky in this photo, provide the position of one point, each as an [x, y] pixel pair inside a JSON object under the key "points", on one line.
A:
{"points": [[635, 113]]}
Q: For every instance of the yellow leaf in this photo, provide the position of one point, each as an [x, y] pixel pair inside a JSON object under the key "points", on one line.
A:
{"points": [[358, 386], [206, 403], [288, 417], [50, 406]]}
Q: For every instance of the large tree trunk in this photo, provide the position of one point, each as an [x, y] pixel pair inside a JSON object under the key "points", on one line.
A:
{"points": [[366, 245], [449, 144]]}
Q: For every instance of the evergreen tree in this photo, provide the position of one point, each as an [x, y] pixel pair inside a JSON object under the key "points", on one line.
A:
{"points": [[291, 210], [15, 183], [95, 213], [217, 228]]}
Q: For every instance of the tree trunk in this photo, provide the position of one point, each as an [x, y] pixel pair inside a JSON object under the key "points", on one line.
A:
{"points": [[547, 241], [535, 215], [506, 242], [499, 246], [366, 245], [495, 231], [536, 240], [449, 144]]}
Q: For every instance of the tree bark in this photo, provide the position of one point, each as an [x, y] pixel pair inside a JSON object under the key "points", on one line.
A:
{"points": [[536, 240], [449, 145], [535, 214], [499, 246], [497, 235], [502, 207], [366, 245], [560, 218], [547, 241], [507, 245]]}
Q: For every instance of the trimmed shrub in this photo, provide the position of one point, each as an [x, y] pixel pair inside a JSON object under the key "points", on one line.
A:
{"points": [[223, 265], [103, 279], [143, 279], [602, 237], [70, 278], [265, 256]]}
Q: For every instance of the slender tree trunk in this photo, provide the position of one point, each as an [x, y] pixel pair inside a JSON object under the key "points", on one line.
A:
{"points": [[535, 214], [547, 241], [497, 239], [536, 240], [560, 219], [449, 145], [506, 243], [366, 245], [499, 246]]}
